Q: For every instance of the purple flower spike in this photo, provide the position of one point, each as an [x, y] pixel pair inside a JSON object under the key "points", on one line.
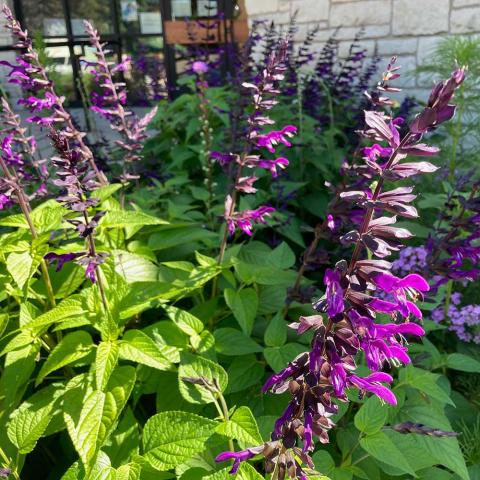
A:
{"points": [[358, 289]]}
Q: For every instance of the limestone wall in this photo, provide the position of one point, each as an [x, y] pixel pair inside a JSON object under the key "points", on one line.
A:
{"points": [[407, 28]]}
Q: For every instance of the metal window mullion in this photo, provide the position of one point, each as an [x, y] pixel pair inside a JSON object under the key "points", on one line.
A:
{"points": [[168, 50], [71, 44]]}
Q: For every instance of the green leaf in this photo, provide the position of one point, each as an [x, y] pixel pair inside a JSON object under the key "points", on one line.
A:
{"points": [[264, 274], [130, 471], [134, 268], [72, 347], [243, 428], [20, 266], [83, 417], [446, 452], [194, 366], [276, 332], [232, 342], [29, 422], [245, 371], [281, 257], [48, 216], [70, 307], [278, 357], [18, 367], [426, 382], [90, 415], [464, 363], [138, 347], [171, 438], [126, 218], [179, 236], [185, 321], [107, 191], [125, 441], [16, 221], [247, 472], [243, 305], [105, 362], [371, 416], [382, 448]]}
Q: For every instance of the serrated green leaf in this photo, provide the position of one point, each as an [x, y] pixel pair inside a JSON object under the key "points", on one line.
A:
{"points": [[134, 268], [278, 357], [90, 415], [70, 307], [125, 441], [194, 366], [48, 216], [244, 305], [171, 438], [72, 347], [185, 321], [382, 448], [107, 191], [18, 366], [232, 342], [20, 267], [28, 423], [126, 218], [276, 332], [106, 359], [242, 427], [16, 221], [371, 416], [130, 471], [138, 347]]}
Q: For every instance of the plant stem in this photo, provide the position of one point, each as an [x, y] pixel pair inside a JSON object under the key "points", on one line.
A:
{"points": [[226, 417], [369, 213], [26, 210], [457, 134]]}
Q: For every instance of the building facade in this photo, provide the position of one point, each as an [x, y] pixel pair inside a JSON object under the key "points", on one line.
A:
{"points": [[408, 28]]}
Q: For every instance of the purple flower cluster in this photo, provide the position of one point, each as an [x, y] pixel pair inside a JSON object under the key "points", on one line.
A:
{"points": [[110, 104], [78, 181], [264, 93], [411, 260], [47, 107], [345, 323], [152, 86], [464, 321]]}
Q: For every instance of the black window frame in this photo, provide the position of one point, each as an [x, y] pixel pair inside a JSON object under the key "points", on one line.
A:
{"points": [[118, 38]]}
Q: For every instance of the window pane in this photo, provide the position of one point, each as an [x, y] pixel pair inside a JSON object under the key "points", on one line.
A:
{"points": [[99, 12], [146, 81], [45, 17], [140, 16], [206, 8], [59, 66], [181, 9]]}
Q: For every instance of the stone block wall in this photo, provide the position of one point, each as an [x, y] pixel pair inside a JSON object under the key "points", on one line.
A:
{"points": [[409, 29]]}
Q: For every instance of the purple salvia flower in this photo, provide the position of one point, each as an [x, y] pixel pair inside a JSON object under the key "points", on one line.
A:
{"points": [[352, 299], [32, 76], [110, 104], [263, 93], [78, 181]]}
